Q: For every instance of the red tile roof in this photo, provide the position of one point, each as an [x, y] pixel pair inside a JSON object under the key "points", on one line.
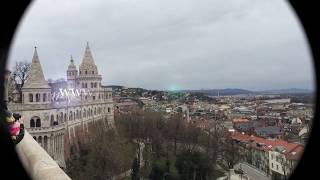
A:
{"points": [[267, 145]]}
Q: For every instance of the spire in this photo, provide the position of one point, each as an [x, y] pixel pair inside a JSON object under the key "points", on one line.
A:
{"points": [[35, 58], [71, 60], [87, 58], [71, 65], [36, 77]]}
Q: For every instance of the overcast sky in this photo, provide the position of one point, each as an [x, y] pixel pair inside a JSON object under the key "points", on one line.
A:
{"points": [[171, 44]]}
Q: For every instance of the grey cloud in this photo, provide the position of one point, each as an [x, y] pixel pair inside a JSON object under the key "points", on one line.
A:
{"points": [[159, 44]]}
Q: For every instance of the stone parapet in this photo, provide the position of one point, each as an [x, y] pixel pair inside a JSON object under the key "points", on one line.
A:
{"points": [[37, 162], [56, 128]]}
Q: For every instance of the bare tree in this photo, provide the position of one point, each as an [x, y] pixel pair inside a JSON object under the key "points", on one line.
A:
{"points": [[229, 152], [21, 73], [11, 88], [175, 128]]}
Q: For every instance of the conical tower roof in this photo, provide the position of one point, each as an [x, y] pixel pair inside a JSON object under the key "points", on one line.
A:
{"points": [[36, 78], [87, 61], [87, 58]]}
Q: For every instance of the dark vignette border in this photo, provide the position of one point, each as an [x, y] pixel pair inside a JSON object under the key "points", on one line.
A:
{"points": [[307, 13], [10, 15]]}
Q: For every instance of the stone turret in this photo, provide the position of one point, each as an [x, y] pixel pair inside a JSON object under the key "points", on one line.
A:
{"points": [[89, 76], [36, 89], [72, 74]]}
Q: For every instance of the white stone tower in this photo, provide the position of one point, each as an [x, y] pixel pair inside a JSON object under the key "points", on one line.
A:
{"points": [[36, 89], [89, 76]]}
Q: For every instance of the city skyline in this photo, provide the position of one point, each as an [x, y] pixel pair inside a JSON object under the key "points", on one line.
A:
{"points": [[257, 46]]}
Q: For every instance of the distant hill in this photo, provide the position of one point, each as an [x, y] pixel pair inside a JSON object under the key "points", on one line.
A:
{"points": [[287, 91], [221, 92], [235, 91]]}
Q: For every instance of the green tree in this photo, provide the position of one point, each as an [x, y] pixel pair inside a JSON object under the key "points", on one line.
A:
{"points": [[193, 165], [157, 171]]}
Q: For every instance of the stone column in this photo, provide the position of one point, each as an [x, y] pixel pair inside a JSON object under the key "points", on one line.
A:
{"points": [[49, 145], [60, 145], [6, 84], [55, 145]]}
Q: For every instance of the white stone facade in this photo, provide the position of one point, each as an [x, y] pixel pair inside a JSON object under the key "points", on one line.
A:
{"points": [[51, 122]]}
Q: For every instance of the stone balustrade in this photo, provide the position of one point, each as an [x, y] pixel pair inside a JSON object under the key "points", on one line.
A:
{"points": [[37, 162], [47, 129]]}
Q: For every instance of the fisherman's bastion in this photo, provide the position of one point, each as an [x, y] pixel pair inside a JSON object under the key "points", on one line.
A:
{"points": [[53, 113]]}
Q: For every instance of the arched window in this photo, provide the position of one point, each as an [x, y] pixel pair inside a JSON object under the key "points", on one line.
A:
{"points": [[70, 116], [74, 115], [77, 114], [109, 109], [80, 114], [37, 97], [30, 97], [32, 124], [91, 84], [52, 120], [95, 111], [65, 117], [91, 112], [35, 138], [61, 117], [44, 97], [38, 122]]}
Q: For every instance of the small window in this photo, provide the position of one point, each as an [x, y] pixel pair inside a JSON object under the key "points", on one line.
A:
{"points": [[37, 97], [86, 72], [44, 97], [38, 123], [30, 97], [92, 72], [52, 120], [32, 124]]}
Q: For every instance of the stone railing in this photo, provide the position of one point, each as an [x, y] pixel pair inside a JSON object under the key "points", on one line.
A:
{"points": [[37, 162], [47, 129]]}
